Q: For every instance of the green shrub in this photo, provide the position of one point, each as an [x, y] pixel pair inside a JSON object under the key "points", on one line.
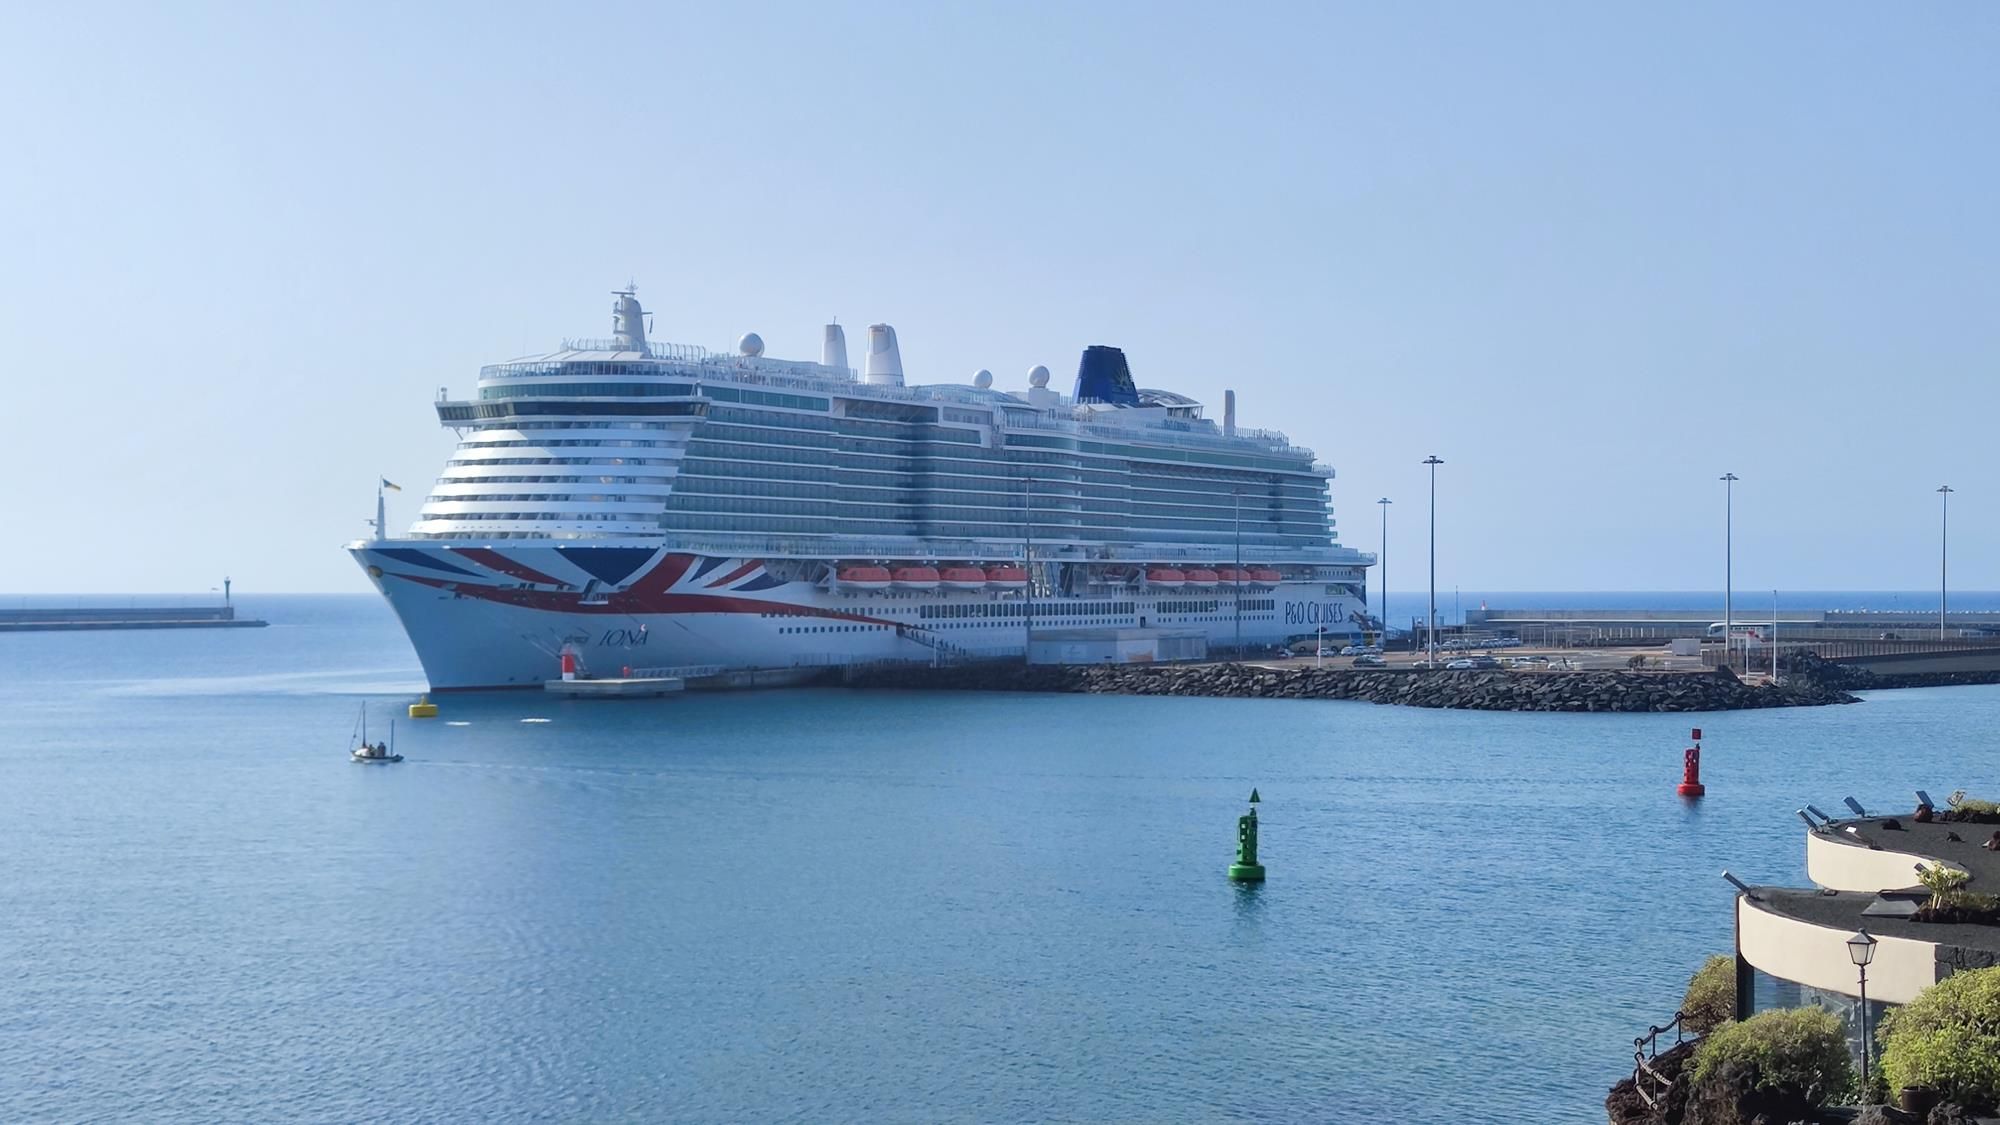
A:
{"points": [[1944, 884], [1711, 995], [1797, 1052], [1948, 1038]]}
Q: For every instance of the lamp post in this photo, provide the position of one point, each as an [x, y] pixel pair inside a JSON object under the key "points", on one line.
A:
{"points": [[1028, 566], [1382, 575], [1861, 950], [1944, 544], [1728, 562], [1236, 495], [1431, 627]]}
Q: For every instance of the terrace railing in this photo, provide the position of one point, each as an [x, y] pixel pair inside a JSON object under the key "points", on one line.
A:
{"points": [[1651, 1084]]}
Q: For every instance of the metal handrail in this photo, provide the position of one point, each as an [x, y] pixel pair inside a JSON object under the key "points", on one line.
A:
{"points": [[1645, 1049]]}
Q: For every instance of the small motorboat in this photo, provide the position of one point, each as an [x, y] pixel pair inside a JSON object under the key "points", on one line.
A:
{"points": [[376, 753]]}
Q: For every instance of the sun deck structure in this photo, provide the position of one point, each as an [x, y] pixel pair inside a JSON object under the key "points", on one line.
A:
{"points": [[1791, 943]]}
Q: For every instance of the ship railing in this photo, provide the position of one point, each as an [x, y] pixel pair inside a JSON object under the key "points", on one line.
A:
{"points": [[675, 672]]}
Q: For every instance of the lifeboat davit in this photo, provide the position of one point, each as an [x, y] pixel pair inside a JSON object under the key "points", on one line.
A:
{"points": [[1166, 576], [915, 578], [1264, 576], [963, 578], [862, 577], [1199, 577], [1006, 577]]}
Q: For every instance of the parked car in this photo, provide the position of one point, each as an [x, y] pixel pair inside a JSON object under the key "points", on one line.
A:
{"points": [[1484, 662], [1370, 660], [1423, 666], [1462, 664], [1282, 653], [1350, 650]]}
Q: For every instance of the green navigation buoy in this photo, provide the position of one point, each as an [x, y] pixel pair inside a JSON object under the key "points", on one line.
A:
{"points": [[1246, 869]]}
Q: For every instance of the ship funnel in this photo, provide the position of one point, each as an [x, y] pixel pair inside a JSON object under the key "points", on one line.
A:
{"points": [[833, 351], [1229, 414], [628, 322], [885, 360], [1104, 376]]}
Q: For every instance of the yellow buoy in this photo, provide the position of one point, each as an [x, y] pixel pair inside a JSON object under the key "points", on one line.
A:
{"points": [[423, 708]]}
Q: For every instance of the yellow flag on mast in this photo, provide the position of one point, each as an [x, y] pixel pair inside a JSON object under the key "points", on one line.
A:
{"points": [[391, 485]]}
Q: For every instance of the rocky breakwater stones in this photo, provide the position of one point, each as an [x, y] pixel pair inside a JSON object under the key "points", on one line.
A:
{"points": [[1477, 691]]}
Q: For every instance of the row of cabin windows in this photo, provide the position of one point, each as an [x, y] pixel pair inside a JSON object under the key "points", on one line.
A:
{"points": [[831, 628], [587, 390], [657, 480], [607, 462], [912, 509], [564, 517], [622, 424], [542, 498], [560, 443], [950, 611], [829, 524]]}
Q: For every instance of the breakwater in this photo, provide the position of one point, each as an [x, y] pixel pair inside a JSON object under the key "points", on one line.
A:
{"points": [[1477, 691], [129, 617]]}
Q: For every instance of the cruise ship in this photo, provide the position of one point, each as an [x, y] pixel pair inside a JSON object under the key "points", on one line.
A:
{"points": [[622, 504]]}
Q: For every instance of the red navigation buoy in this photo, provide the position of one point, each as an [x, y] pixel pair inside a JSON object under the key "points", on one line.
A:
{"points": [[1691, 785], [568, 665]]}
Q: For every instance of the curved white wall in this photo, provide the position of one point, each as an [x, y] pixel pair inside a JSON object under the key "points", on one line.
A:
{"points": [[1814, 955], [1845, 867]]}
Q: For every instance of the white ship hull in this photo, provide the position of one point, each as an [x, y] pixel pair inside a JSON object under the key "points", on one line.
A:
{"points": [[500, 615]]}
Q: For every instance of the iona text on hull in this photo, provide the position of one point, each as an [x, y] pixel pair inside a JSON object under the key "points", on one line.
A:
{"points": [[659, 505]]}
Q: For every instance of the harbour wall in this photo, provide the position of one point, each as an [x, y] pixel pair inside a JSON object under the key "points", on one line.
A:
{"points": [[127, 617], [1477, 691]]}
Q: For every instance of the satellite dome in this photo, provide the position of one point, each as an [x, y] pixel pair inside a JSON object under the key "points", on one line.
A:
{"points": [[1039, 377], [983, 380], [751, 344]]}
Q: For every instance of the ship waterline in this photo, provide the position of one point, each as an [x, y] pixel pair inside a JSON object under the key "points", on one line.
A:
{"points": [[641, 505]]}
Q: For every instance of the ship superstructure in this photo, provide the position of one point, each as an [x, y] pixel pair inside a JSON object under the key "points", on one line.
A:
{"points": [[636, 503]]}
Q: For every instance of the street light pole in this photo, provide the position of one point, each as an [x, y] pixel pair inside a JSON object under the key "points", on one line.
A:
{"points": [[1728, 562], [1382, 573], [1944, 550], [1861, 950], [1431, 628], [1236, 494], [1028, 566]]}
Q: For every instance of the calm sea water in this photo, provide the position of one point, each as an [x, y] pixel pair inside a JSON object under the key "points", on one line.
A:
{"points": [[816, 905]]}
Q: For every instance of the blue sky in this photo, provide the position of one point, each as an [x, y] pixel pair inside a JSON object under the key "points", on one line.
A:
{"points": [[1591, 255]]}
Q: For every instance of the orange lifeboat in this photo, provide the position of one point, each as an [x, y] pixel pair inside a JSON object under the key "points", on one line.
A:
{"points": [[914, 578], [862, 577], [1265, 576], [1166, 576], [1230, 576], [1006, 577], [1199, 577], [963, 578]]}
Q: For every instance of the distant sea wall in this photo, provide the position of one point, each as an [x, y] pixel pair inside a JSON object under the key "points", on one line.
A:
{"points": [[128, 617], [1476, 691]]}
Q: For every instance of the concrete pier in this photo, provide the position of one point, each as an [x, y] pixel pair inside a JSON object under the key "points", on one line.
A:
{"points": [[129, 617], [638, 687]]}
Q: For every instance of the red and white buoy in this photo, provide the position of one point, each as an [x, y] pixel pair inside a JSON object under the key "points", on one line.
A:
{"points": [[568, 665], [1691, 785]]}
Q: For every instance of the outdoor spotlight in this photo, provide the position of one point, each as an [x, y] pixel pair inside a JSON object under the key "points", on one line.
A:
{"points": [[1739, 884], [1814, 809]]}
